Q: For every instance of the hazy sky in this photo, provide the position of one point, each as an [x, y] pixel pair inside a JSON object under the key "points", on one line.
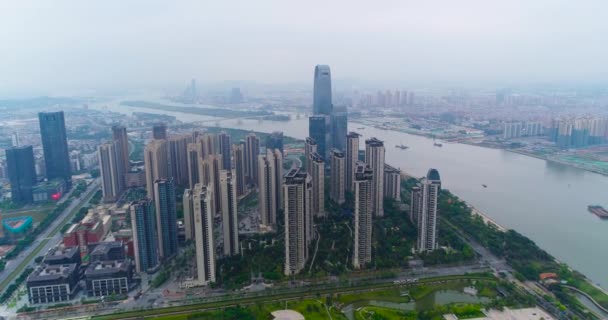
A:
{"points": [[72, 45]]}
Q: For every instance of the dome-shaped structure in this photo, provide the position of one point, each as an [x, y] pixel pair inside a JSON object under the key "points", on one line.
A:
{"points": [[433, 175]]}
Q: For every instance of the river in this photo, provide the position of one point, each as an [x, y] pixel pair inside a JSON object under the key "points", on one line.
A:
{"points": [[545, 201]]}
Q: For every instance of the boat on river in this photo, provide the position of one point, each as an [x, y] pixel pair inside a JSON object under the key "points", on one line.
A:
{"points": [[598, 211], [401, 146]]}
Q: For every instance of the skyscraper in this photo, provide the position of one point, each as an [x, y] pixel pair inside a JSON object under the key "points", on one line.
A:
{"points": [[209, 144], [319, 128], [238, 153], [275, 141], [392, 183], [252, 150], [310, 147], [322, 91], [268, 188], [374, 158], [120, 137], [55, 146], [210, 176], [337, 181], [352, 156], [166, 217], [339, 128], [178, 159], [194, 157], [297, 193], [363, 215], [203, 229], [21, 173], [424, 210], [159, 131], [317, 174], [145, 241], [188, 205], [111, 171], [230, 225], [225, 145], [156, 164]]}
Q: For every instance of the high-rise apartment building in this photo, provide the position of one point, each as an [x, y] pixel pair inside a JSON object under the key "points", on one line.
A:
{"points": [[21, 173], [55, 146], [120, 137], [225, 150], [159, 131], [156, 163], [337, 181], [322, 103], [317, 174], [363, 215], [178, 159], [297, 194], [230, 227], [392, 183], [268, 187], [203, 229], [193, 162], [374, 158], [166, 217], [319, 128], [339, 128], [188, 205], [252, 150], [209, 145], [352, 156], [145, 240], [210, 176], [424, 210], [310, 147], [111, 171], [238, 154]]}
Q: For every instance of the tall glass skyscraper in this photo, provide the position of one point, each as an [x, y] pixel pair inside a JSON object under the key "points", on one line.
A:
{"points": [[319, 128], [21, 173], [55, 145], [166, 217], [322, 91], [145, 242]]}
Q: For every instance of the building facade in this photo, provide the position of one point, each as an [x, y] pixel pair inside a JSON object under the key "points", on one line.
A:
{"points": [[392, 183], [374, 158], [238, 154], [230, 226], [21, 173], [178, 159], [252, 150], [317, 174], [297, 193], [337, 181], [268, 190], [352, 156], [156, 164], [203, 229], [145, 239], [363, 215], [319, 128], [55, 146], [166, 217], [111, 171], [424, 210], [53, 283], [322, 103]]}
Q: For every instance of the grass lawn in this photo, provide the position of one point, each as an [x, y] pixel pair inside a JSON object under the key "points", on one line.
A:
{"points": [[366, 313], [391, 295]]}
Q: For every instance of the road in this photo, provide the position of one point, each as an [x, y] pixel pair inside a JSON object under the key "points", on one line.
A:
{"points": [[47, 239]]}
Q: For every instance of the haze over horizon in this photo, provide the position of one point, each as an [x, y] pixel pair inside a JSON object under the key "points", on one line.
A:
{"points": [[68, 46]]}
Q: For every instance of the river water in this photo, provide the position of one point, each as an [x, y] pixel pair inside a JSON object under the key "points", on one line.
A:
{"points": [[545, 201]]}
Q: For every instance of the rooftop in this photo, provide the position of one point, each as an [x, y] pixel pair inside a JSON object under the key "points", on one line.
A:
{"points": [[52, 272], [107, 267]]}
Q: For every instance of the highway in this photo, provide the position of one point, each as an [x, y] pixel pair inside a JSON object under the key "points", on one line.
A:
{"points": [[47, 239]]}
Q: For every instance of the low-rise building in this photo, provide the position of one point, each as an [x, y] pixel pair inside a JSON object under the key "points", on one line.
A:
{"points": [[104, 251], [104, 278], [63, 255], [53, 283]]}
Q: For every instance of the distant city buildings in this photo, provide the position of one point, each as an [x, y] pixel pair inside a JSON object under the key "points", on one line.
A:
{"points": [[578, 132]]}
